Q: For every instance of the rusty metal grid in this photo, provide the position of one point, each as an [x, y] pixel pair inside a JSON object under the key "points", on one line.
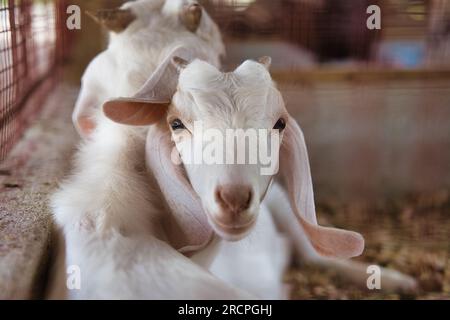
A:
{"points": [[31, 45]]}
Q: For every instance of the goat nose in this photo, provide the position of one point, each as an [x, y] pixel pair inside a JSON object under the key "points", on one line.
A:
{"points": [[234, 198]]}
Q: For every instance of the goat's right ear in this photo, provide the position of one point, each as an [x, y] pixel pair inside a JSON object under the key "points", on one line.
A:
{"points": [[150, 103], [135, 112]]}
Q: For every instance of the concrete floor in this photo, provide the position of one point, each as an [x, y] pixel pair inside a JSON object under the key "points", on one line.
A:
{"points": [[32, 170]]}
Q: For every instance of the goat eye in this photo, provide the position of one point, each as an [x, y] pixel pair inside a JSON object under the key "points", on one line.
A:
{"points": [[280, 125], [177, 125]]}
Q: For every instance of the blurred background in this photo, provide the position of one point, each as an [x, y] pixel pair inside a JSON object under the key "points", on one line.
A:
{"points": [[374, 106]]}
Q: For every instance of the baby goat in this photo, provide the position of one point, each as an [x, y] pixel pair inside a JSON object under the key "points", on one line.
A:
{"points": [[123, 220], [226, 199]]}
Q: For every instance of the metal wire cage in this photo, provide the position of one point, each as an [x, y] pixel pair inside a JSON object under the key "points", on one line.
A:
{"points": [[34, 40], [31, 47], [336, 30]]}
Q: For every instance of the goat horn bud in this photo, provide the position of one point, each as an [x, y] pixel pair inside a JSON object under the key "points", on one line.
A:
{"points": [[179, 63], [191, 16], [116, 20], [266, 61]]}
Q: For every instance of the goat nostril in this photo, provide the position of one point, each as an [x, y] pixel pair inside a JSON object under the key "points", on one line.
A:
{"points": [[234, 198], [249, 199], [218, 196]]}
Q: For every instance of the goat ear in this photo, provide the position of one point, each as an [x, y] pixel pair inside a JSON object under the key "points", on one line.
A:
{"points": [[179, 63], [116, 20], [191, 16], [188, 230], [150, 103], [85, 125], [295, 170], [135, 112], [162, 84]]}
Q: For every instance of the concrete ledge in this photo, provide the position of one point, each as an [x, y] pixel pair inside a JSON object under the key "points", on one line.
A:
{"points": [[27, 176], [309, 76]]}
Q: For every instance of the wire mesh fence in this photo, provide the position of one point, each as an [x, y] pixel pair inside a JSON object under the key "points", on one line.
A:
{"points": [[298, 34], [412, 32], [31, 46]]}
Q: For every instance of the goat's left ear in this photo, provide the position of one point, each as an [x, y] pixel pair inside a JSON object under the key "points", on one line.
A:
{"points": [[135, 112], [295, 170]]}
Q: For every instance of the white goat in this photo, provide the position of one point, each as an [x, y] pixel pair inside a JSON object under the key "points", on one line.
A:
{"points": [[152, 29], [108, 209], [122, 222]]}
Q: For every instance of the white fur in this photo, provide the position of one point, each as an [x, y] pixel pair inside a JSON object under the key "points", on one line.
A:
{"points": [[110, 209]]}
